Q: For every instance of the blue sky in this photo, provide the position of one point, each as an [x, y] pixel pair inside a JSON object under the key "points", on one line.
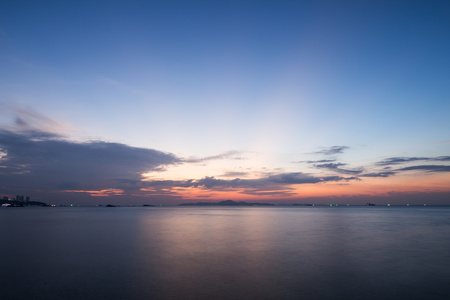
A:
{"points": [[260, 87]]}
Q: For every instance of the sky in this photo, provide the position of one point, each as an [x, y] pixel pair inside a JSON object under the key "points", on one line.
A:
{"points": [[168, 102]]}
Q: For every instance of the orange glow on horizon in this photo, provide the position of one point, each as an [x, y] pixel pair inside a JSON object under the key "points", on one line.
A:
{"points": [[100, 193], [378, 186]]}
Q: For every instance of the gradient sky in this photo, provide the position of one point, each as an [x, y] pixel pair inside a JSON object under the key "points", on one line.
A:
{"points": [[165, 102]]}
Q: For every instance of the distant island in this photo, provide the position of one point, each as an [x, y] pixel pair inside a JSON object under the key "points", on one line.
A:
{"points": [[226, 203]]}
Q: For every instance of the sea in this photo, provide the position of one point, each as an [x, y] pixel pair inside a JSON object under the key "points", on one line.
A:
{"points": [[304, 252]]}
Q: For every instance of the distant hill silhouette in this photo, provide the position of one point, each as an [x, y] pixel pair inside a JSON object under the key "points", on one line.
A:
{"points": [[226, 203]]}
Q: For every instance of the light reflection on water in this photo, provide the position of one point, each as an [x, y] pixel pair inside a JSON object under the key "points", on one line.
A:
{"points": [[225, 253]]}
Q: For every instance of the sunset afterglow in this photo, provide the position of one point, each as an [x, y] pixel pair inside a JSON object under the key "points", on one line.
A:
{"points": [[149, 102]]}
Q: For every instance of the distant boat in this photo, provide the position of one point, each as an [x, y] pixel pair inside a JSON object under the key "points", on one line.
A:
{"points": [[370, 204]]}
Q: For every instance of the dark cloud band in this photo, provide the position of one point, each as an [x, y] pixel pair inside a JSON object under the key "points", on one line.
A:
{"points": [[41, 160]]}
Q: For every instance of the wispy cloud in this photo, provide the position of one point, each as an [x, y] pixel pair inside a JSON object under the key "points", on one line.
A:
{"points": [[400, 160], [27, 119], [332, 150], [231, 155], [234, 174], [427, 168], [336, 167], [378, 174], [389, 162], [314, 161]]}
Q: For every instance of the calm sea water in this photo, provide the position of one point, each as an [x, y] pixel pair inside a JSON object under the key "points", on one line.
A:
{"points": [[225, 253]]}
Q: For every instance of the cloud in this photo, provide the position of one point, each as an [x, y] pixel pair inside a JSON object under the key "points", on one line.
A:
{"points": [[41, 160], [332, 150], [332, 165], [293, 178], [428, 168], [234, 174], [232, 155], [336, 168], [269, 182], [379, 174], [274, 185], [339, 178], [399, 160], [391, 161], [27, 119], [315, 161]]}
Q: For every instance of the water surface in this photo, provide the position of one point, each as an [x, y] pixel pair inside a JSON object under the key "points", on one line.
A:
{"points": [[225, 253]]}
